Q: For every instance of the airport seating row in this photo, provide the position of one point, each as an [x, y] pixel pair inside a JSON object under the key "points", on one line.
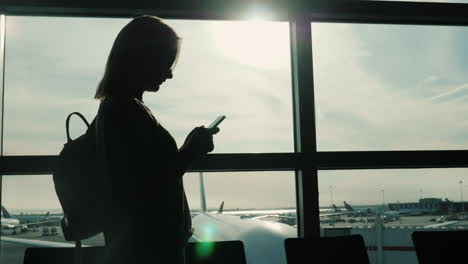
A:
{"points": [[226, 252], [431, 247]]}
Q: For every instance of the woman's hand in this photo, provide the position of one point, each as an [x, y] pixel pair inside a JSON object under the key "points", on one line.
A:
{"points": [[199, 141]]}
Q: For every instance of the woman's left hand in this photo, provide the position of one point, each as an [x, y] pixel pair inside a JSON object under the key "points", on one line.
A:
{"points": [[200, 141]]}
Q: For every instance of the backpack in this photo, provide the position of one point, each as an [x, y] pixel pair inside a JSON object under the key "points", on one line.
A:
{"points": [[79, 185]]}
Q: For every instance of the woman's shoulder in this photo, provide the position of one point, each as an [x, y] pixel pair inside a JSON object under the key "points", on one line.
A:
{"points": [[118, 104], [119, 110], [113, 101]]}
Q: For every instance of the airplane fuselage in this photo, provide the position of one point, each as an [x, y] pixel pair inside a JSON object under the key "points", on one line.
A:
{"points": [[9, 223], [263, 240]]}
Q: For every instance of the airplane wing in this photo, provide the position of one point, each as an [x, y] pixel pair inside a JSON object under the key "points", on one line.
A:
{"points": [[39, 223], [335, 214], [34, 224], [261, 212], [263, 217], [35, 243]]}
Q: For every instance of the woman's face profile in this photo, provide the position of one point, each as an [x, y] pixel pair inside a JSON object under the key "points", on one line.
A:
{"points": [[161, 70], [153, 86]]}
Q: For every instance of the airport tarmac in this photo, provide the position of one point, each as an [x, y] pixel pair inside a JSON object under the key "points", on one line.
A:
{"points": [[13, 253], [404, 221]]}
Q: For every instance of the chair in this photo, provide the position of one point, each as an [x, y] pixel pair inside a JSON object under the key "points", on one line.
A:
{"points": [[226, 252], [330, 250], [440, 246], [43, 255]]}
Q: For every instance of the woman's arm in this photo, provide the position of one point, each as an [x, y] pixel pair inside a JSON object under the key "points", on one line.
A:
{"points": [[197, 144], [184, 160]]}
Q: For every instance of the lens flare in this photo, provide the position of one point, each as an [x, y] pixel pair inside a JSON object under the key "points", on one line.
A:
{"points": [[205, 249]]}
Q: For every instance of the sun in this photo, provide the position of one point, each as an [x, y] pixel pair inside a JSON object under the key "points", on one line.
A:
{"points": [[261, 44]]}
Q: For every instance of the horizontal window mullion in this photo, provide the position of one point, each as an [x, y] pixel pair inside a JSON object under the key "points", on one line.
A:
{"points": [[345, 160], [11, 165], [389, 12], [391, 159], [392, 12]]}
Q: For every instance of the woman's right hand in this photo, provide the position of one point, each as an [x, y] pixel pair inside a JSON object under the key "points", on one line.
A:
{"points": [[200, 141]]}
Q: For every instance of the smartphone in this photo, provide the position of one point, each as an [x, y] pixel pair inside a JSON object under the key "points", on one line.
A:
{"points": [[217, 121]]}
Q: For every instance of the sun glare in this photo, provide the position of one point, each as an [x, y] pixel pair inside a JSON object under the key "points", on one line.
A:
{"points": [[258, 43]]}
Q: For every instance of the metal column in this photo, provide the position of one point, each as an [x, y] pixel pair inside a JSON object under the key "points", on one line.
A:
{"points": [[304, 128]]}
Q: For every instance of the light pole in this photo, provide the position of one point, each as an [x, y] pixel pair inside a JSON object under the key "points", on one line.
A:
{"points": [[420, 193], [331, 195], [461, 196], [383, 200]]}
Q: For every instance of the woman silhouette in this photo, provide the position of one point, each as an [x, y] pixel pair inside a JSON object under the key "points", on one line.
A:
{"points": [[147, 217]]}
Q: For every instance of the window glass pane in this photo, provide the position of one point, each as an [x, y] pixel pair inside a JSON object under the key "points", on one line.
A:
{"points": [[259, 209], [34, 213], [403, 200], [390, 87], [237, 69]]}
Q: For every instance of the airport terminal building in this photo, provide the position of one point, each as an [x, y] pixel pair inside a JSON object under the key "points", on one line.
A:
{"points": [[436, 205]]}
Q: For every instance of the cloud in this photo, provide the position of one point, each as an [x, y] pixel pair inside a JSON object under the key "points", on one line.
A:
{"points": [[455, 95]]}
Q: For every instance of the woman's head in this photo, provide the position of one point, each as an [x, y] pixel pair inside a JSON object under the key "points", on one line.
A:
{"points": [[142, 57]]}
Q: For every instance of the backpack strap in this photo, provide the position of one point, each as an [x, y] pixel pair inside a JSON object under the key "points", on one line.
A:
{"points": [[67, 123]]}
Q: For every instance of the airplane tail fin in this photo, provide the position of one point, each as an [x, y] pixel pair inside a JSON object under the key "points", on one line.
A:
{"points": [[202, 194], [348, 206], [47, 214], [221, 208], [5, 212], [334, 207]]}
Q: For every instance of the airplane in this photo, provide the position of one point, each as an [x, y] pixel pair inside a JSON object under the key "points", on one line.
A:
{"points": [[8, 222], [286, 213], [371, 211], [263, 240]]}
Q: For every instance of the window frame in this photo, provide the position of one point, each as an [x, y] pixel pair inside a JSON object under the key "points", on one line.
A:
{"points": [[305, 159]]}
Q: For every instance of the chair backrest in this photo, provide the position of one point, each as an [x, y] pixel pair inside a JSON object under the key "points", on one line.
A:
{"points": [[440, 246], [43, 255], [330, 250], [226, 252]]}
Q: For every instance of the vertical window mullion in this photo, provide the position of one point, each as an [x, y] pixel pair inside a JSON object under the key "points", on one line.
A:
{"points": [[304, 128], [2, 54]]}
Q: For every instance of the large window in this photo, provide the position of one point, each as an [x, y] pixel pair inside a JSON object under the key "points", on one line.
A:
{"points": [[53, 65], [246, 206], [387, 206], [264, 200], [390, 87], [237, 69], [399, 84], [31, 200]]}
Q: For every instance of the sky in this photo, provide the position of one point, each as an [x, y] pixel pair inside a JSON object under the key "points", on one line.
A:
{"points": [[378, 87]]}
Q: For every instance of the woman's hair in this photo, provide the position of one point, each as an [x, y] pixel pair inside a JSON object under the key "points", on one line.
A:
{"points": [[144, 42]]}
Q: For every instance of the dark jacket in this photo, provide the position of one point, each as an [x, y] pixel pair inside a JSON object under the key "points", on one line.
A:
{"points": [[140, 163]]}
